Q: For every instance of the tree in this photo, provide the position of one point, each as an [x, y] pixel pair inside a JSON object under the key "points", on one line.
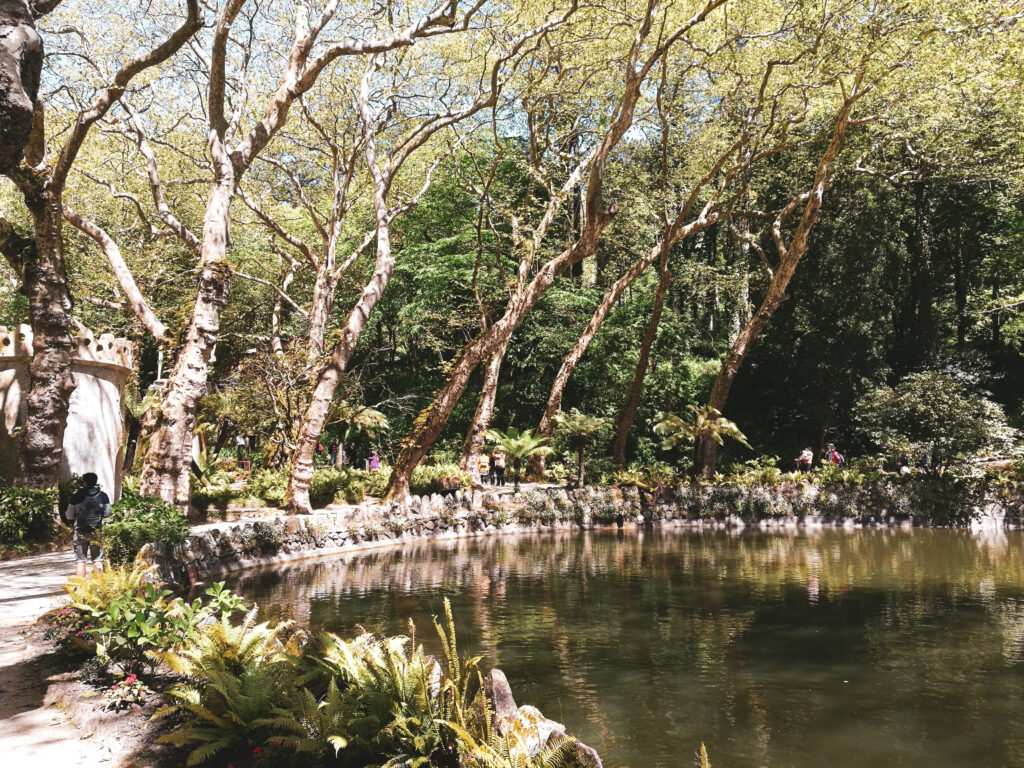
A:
{"points": [[383, 176], [639, 60], [580, 429], [706, 424], [231, 153], [892, 54], [41, 182], [519, 447]]}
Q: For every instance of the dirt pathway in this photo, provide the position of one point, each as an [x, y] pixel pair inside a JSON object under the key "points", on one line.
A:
{"points": [[32, 733]]}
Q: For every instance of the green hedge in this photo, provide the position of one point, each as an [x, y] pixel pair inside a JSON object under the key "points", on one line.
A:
{"points": [[27, 516], [137, 521]]}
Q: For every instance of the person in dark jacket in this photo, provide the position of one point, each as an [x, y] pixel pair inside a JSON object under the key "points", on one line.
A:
{"points": [[87, 509]]}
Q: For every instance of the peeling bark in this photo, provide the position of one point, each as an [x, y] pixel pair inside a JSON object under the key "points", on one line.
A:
{"points": [[44, 282], [168, 459]]}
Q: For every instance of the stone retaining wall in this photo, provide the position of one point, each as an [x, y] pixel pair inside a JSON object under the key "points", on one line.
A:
{"points": [[216, 549]]}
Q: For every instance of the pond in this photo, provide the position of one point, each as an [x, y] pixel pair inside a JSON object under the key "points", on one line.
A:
{"points": [[827, 648]]}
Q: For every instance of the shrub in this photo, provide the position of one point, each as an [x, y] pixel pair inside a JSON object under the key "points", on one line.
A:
{"points": [[933, 411], [374, 482], [241, 682], [137, 521], [67, 630], [26, 515], [218, 493], [425, 479], [125, 694], [270, 485], [341, 485], [254, 691], [98, 591], [131, 615]]}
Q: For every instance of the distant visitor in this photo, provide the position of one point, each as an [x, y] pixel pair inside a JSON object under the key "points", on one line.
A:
{"points": [[88, 508]]}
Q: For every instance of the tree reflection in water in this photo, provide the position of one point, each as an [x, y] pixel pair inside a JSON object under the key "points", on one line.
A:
{"points": [[901, 647]]}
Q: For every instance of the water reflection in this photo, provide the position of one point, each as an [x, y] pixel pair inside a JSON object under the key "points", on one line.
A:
{"points": [[902, 648]]}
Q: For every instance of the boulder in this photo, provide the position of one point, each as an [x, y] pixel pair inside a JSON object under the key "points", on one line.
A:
{"points": [[529, 732], [499, 694], [582, 756]]}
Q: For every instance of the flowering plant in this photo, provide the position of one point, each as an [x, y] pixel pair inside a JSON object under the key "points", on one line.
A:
{"points": [[125, 694], [69, 628]]}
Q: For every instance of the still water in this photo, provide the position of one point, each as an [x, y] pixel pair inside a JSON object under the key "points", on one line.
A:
{"points": [[823, 649]]}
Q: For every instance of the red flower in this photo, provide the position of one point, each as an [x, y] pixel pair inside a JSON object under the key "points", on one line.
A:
{"points": [[256, 750], [130, 679]]}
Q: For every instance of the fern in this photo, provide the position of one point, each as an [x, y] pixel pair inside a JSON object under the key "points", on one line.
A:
{"points": [[240, 691]]}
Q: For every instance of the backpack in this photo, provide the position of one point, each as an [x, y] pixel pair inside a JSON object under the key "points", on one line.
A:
{"points": [[89, 511]]}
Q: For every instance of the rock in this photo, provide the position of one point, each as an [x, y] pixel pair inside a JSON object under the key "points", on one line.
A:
{"points": [[529, 732], [499, 694], [583, 756]]}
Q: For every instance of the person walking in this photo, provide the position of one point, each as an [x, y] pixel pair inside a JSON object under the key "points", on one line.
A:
{"points": [[499, 467], [87, 509], [483, 467], [373, 463], [804, 460]]}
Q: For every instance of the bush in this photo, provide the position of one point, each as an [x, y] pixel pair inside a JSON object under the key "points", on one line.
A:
{"points": [[254, 691], [218, 493], [425, 480], [137, 521], [26, 515], [932, 411], [131, 615], [270, 485], [340, 485], [375, 482]]}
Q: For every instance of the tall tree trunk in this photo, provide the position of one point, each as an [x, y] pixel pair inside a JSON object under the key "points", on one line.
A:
{"points": [[484, 410], [640, 373], [572, 360], [40, 265], [21, 63], [320, 307], [431, 421], [789, 258], [44, 282], [960, 279], [315, 417], [330, 375], [165, 470], [131, 442], [287, 276]]}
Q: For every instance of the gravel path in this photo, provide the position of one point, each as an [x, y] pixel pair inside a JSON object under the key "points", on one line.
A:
{"points": [[31, 733]]}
